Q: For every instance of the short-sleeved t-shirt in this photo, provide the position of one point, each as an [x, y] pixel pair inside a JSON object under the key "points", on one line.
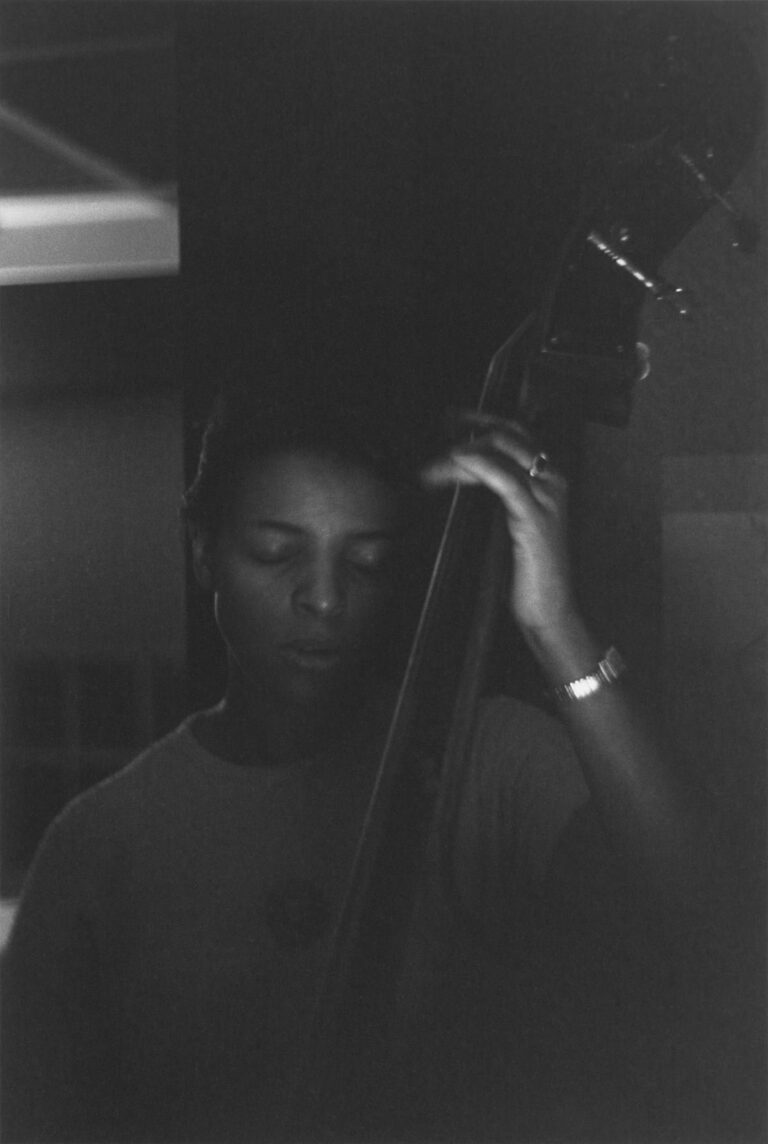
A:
{"points": [[165, 958]]}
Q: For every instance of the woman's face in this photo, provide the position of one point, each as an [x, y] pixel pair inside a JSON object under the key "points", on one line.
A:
{"points": [[302, 573]]}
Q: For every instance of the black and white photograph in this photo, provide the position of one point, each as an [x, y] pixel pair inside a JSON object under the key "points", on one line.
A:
{"points": [[383, 571]]}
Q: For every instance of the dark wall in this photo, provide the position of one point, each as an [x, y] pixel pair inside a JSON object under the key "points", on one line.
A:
{"points": [[92, 640]]}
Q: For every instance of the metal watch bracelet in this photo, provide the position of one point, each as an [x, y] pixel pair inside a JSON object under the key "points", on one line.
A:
{"points": [[610, 668]]}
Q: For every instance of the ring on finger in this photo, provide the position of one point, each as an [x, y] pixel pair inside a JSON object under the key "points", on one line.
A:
{"points": [[539, 465]]}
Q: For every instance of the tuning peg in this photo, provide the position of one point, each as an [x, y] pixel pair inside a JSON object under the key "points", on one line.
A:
{"points": [[746, 231], [676, 297], [643, 357]]}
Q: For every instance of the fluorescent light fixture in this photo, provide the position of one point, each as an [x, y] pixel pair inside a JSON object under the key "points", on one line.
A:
{"points": [[70, 237]]}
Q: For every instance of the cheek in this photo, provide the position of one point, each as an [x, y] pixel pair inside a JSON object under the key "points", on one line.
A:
{"points": [[247, 605], [368, 606]]}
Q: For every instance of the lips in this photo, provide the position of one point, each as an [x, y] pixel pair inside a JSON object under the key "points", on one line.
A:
{"points": [[322, 646], [313, 655]]}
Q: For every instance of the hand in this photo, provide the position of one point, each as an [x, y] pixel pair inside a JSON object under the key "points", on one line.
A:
{"points": [[499, 457]]}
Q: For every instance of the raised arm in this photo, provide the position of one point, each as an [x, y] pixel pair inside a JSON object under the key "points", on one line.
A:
{"points": [[645, 817]]}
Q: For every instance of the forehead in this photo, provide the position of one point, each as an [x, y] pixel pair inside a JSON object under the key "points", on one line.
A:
{"points": [[314, 492]]}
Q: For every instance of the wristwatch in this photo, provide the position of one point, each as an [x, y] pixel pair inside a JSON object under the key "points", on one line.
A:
{"points": [[610, 668]]}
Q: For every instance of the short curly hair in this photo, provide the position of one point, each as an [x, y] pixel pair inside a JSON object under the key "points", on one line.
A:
{"points": [[246, 426]]}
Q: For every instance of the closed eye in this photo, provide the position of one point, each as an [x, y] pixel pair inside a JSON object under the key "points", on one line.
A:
{"points": [[273, 545], [273, 555], [370, 557]]}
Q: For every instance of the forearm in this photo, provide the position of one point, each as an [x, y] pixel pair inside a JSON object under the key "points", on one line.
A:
{"points": [[644, 816]]}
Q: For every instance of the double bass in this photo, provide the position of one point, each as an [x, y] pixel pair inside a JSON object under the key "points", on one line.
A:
{"points": [[669, 127]]}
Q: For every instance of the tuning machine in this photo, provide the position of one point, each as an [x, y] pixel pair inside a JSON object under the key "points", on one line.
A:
{"points": [[676, 297], [746, 232]]}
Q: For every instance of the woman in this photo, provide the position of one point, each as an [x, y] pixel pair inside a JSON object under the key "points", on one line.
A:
{"points": [[164, 962]]}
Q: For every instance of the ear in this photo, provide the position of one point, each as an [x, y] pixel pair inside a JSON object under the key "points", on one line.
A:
{"points": [[202, 557]]}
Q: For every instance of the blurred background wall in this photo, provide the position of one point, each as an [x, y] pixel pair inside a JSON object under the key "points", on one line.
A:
{"points": [[92, 556], [91, 564]]}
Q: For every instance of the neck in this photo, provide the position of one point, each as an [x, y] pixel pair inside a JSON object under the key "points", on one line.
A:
{"points": [[247, 727]]}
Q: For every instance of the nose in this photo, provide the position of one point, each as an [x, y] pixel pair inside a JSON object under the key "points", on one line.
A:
{"points": [[320, 591]]}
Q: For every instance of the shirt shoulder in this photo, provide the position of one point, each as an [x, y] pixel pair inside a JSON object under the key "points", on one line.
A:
{"points": [[503, 721], [525, 784], [131, 789], [82, 848], [521, 746]]}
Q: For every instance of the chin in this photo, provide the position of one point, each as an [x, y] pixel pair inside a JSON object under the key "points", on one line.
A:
{"points": [[296, 682], [341, 689]]}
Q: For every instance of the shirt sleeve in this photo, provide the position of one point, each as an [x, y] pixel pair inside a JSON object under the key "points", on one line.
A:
{"points": [[52, 1048], [521, 789]]}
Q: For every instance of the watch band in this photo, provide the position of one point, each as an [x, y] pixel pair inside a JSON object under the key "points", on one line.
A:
{"points": [[610, 668]]}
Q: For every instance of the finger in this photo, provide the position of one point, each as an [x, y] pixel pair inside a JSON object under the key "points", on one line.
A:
{"points": [[497, 475], [520, 450], [447, 471], [470, 468], [490, 421], [450, 467], [490, 424], [508, 436], [526, 460], [503, 471]]}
